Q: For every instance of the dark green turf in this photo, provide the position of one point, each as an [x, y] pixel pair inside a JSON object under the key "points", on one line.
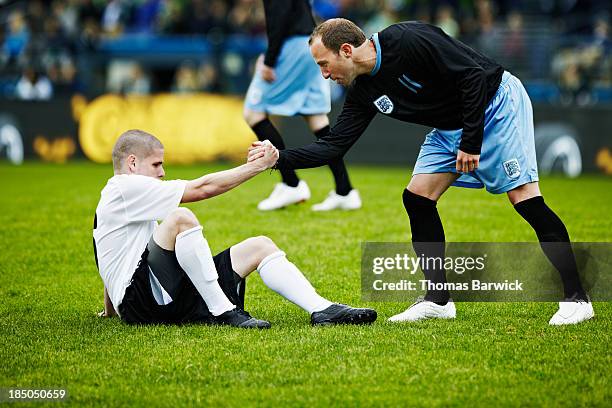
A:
{"points": [[493, 354]]}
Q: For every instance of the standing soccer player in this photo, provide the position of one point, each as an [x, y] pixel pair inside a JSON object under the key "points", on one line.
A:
{"points": [[287, 83], [483, 136]]}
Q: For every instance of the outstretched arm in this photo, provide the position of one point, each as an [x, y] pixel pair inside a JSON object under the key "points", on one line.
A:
{"points": [[350, 125], [213, 184]]}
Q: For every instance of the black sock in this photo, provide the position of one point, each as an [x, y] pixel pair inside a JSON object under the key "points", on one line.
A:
{"points": [[427, 240], [265, 130], [554, 241], [338, 169]]}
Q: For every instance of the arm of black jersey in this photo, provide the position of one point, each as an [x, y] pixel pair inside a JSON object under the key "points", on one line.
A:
{"points": [[351, 123], [472, 84], [278, 13], [434, 49]]}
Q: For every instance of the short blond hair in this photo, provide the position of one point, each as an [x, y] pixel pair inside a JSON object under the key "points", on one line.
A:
{"points": [[134, 141]]}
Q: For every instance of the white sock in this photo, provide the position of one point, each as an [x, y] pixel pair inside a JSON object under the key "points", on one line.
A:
{"points": [[285, 278], [194, 256]]}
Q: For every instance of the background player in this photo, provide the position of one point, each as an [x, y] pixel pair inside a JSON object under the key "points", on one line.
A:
{"points": [[287, 83], [483, 136]]}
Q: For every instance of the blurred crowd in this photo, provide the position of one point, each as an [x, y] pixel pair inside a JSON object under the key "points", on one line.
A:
{"points": [[47, 46]]}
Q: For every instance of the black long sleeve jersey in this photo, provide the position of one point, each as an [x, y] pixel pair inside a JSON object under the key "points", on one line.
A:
{"points": [[284, 19], [421, 76]]}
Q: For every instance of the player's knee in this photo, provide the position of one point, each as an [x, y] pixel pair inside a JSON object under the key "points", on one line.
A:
{"points": [[414, 201], [265, 245], [246, 115], [317, 122], [184, 219], [262, 247], [251, 117]]}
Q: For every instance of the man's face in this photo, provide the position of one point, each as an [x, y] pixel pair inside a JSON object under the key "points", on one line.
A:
{"points": [[339, 67], [151, 166]]}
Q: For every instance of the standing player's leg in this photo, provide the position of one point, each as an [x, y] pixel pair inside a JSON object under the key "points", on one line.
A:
{"points": [[513, 151], [555, 242], [277, 98], [428, 240], [344, 197], [283, 277]]}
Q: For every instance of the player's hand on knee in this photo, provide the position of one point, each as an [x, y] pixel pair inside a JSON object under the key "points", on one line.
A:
{"points": [[467, 162], [267, 73]]}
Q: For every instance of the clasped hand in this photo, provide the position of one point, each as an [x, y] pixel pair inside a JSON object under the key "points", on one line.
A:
{"points": [[263, 153]]}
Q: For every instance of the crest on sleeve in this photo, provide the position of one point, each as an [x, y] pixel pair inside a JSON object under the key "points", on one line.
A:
{"points": [[384, 104]]}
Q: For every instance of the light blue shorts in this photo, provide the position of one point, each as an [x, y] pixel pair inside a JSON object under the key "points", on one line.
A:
{"points": [[299, 89], [507, 158]]}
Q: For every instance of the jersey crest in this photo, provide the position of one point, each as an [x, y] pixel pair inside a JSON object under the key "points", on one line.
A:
{"points": [[384, 104], [512, 168]]}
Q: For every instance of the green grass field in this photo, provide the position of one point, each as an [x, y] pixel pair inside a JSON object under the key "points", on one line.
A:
{"points": [[491, 355]]}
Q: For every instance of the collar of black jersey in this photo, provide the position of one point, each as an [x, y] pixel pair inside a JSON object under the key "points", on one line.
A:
{"points": [[374, 39]]}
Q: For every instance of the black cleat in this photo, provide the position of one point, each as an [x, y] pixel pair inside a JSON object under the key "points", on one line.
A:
{"points": [[342, 314], [239, 318]]}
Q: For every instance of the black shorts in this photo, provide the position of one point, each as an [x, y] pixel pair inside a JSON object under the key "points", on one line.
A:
{"points": [[140, 307]]}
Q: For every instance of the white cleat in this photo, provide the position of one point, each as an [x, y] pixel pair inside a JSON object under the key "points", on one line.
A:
{"points": [[351, 201], [572, 312], [283, 195], [424, 309]]}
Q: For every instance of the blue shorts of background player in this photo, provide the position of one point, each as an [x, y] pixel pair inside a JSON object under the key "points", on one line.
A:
{"points": [[507, 158], [299, 88]]}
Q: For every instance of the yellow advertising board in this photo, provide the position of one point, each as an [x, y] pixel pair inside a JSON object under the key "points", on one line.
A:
{"points": [[193, 128]]}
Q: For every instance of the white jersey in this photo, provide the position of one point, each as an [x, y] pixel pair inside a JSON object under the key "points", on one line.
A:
{"points": [[127, 215]]}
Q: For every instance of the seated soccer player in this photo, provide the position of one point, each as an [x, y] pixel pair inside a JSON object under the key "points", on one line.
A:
{"points": [[165, 273]]}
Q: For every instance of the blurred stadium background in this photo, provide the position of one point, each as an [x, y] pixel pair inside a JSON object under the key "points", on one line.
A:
{"points": [[75, 73]]}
